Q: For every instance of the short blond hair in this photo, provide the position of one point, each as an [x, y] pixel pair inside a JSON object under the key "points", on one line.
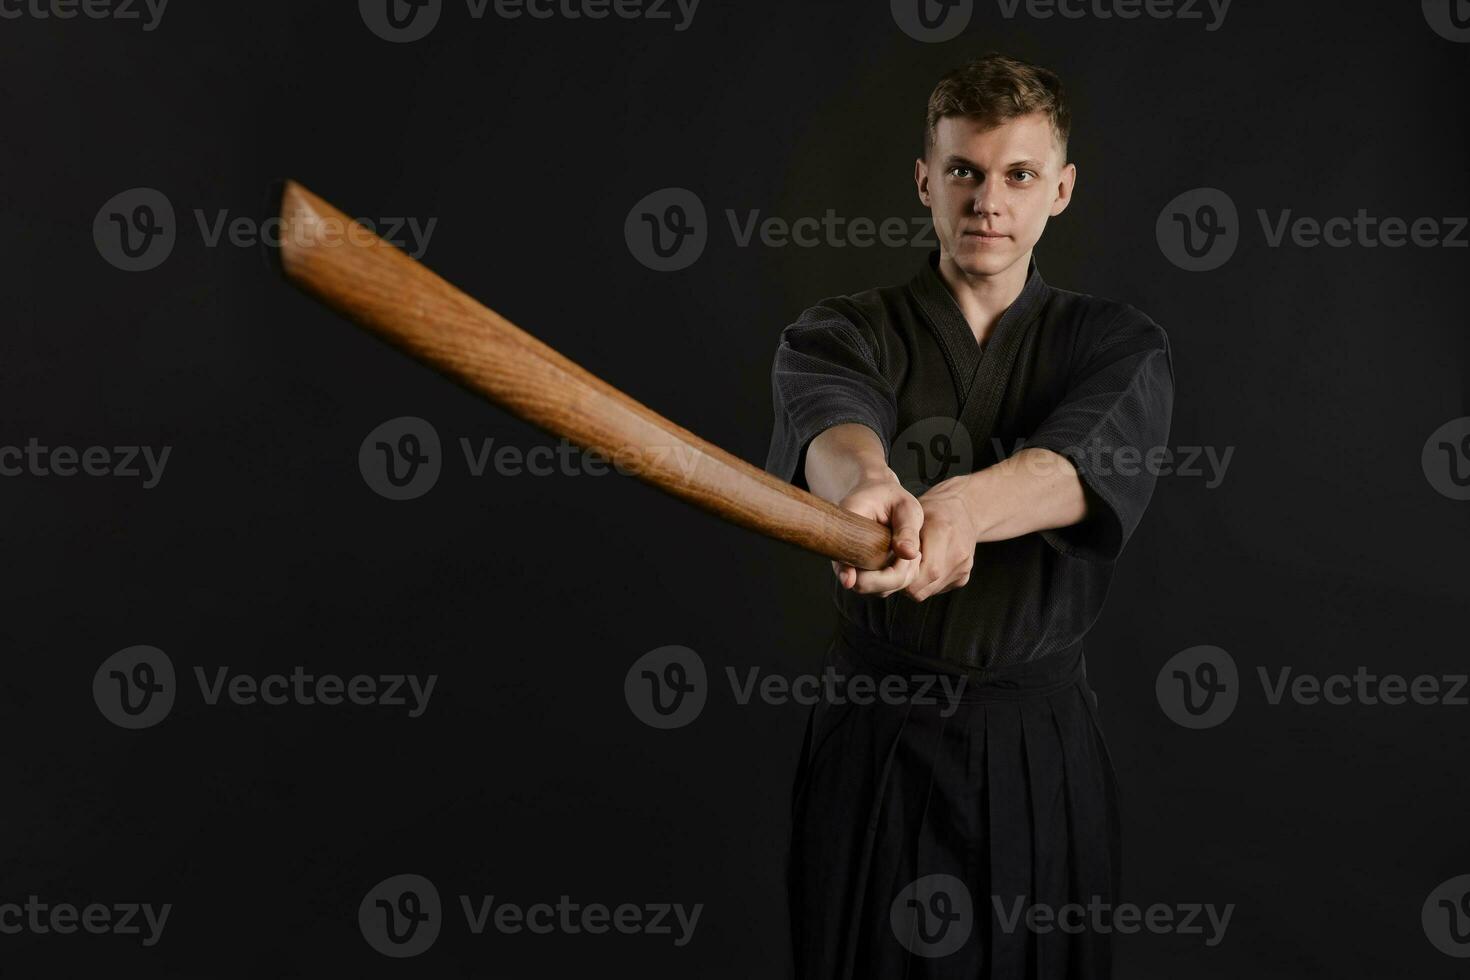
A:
{"points": [[994, 88]]}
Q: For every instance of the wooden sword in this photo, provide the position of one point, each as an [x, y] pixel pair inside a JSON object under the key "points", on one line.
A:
{"points": [[353, 271]]}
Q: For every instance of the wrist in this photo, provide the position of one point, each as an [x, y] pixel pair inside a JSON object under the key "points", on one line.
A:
{"points": [[872, 475], [976, 493], [877, 472]]}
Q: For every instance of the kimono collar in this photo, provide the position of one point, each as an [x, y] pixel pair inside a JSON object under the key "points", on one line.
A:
{"points": [[955, 336]]}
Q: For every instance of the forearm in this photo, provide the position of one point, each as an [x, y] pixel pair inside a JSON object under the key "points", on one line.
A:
{"points": [[1034, 490], [843, 457]]}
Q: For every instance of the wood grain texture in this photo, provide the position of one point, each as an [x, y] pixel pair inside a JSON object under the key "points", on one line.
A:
{"points": [[381, 288]]}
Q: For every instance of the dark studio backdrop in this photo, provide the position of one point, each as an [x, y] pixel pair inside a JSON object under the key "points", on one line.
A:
{"points": [[1327, 537]]}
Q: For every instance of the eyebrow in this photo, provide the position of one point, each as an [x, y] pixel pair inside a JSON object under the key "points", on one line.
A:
{"points": [[954, 160]]}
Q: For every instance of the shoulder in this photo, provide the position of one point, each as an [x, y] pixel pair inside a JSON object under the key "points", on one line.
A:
{"points": [[863, 319], [871, 308], [1097, 323]]}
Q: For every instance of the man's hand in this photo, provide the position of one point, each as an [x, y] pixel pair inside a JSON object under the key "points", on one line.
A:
{"points": [[934, 538], [846, 465], [884, 499], [947, 541], [1034, 490]]}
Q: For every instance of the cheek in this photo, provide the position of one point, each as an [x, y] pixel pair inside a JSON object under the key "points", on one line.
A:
{"points": [[1033, 214]]}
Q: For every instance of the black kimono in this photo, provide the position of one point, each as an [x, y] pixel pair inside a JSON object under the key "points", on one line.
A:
{"points": [[909, 817]]}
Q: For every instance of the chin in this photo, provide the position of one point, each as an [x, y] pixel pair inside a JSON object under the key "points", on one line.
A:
{"points": [[984, 261]]}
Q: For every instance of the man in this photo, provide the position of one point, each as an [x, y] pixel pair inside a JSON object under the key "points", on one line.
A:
{"points": [[920, 829]]}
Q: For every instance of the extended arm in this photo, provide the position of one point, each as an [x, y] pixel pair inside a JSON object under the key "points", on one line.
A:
{"points": [[1071, 484], [1034, 490], [846, 465]]}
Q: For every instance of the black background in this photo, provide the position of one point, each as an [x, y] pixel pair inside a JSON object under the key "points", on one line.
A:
{"points": [[528, 777]]}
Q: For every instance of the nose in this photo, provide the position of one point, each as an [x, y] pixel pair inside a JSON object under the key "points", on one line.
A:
{"points": [[988, 198]]}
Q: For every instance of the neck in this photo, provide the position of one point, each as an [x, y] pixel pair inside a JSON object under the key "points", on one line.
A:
{"points": [[984, 299]]}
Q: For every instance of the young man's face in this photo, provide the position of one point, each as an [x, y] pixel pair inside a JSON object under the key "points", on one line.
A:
{"points": [[991, 190]]}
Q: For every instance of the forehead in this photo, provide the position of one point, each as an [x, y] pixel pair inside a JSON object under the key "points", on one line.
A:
{"points": [[1029, 137]]}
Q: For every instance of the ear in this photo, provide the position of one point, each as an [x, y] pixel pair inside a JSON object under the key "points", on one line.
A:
{"points": [[921, 180], [1065, 183]]}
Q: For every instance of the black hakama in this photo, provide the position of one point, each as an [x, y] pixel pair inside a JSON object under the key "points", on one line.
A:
{"points": [[1008, 791], [908, 816]]}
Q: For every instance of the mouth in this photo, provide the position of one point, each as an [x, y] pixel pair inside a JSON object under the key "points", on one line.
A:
{"points": [[983, 236]]}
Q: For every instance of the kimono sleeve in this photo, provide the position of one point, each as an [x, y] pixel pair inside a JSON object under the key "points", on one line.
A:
{"points": [[826, 372], [1117, 408]]}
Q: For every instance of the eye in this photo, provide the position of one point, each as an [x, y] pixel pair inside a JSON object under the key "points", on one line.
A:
{"points": [[963, 173], [1023, 176]]}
